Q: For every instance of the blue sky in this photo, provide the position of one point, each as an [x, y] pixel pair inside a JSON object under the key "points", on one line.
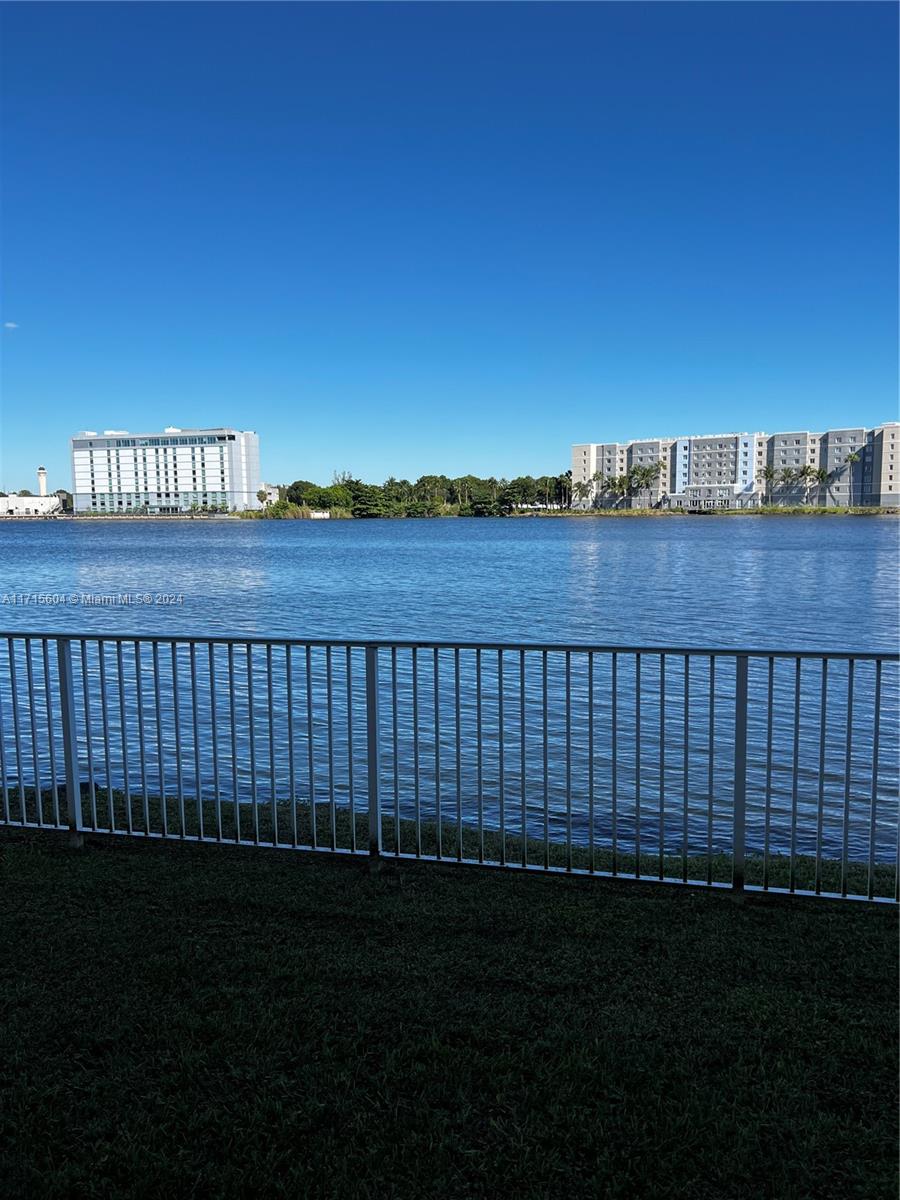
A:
{"points": [[399, 239]]}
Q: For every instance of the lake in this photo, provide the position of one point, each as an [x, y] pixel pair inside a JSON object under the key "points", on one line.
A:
{"points": [[786, 583]]}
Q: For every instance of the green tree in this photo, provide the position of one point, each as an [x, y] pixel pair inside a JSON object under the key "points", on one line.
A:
{"points": [[583, 489], [769, 475], [850, 461], [806, 475], [599, 487], [787, 478], [366, 498]]}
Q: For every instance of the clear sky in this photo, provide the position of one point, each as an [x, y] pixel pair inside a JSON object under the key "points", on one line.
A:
{"points": [[399, 239]]}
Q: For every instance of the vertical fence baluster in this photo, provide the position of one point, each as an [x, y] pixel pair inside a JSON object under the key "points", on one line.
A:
{"points": [[437, 753], [395, 741], [292, 789], [686, 770], [214, 737], [614, 702], [232, 702], [874, 801], [163, 803], [176, 718], [32, 714], [568, 760], [711, 768], [350, 750], [329, 708], [845, 838], [478, 756], [415, 732], [310, 746], [458, 730], [70, 741], [142, 741], [767, 816], [251, 730], [662, 763], [123, 730], [195, 721], [820, 807], [273, 783], [795, 779], [501, 763], [373, 766], [637, 765], [523, 746], [546, 762], [4, 786], [51, 746], [590, 700], [740, 773], [88, 733], [104, 717]]}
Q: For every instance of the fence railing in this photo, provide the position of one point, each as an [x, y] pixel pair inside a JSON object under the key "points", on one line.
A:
{"points": [[758, 769]]}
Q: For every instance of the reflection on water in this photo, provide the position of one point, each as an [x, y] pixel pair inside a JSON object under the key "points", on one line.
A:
{"points": [[790, 582], [780, 583]]}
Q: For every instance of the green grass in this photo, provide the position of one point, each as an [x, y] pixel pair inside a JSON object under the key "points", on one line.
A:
{"points": [[112, 813], [184, 1020]]}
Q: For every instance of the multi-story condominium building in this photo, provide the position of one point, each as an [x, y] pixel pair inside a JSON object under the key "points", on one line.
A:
{"points": [[170, 472], [743, 470], [881, 480]]}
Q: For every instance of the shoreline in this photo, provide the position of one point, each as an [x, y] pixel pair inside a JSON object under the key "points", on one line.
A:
{"points": [[578, 514]]}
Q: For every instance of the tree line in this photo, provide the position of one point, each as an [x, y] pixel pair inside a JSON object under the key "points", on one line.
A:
{"points": [[428, 496]]}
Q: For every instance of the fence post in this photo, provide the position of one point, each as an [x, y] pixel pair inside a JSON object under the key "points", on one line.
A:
{"points": [[372, 759], [740, 773], [70, 741]]}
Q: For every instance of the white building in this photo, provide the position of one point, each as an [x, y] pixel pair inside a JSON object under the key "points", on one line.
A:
{"points": [[40, 505], [178, 470]]}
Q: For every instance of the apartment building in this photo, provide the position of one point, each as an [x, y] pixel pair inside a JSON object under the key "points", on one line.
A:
{"points": [[165, 473], [881, 480], [850, 466], [596, 465]]}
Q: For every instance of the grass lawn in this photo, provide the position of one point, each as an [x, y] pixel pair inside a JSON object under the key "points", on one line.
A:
{"points": [[217, 1022]]}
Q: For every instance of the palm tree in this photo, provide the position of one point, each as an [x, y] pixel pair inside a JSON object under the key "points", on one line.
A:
{"points": [[619, 485], [850, 461], [583, 489], [821, 477], [806, 474], [769, 474], [599, 485], [652, 473], [787, 477]]}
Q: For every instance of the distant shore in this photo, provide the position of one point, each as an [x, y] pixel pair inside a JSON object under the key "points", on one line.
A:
{"points": [[767, 511], [580, 514]]}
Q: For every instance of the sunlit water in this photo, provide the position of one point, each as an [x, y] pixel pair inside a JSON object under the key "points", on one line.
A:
{"points": [[763, 583], [782, 582]]}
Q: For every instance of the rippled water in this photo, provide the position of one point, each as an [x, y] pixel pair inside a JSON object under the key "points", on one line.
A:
{"points": [[783, 582], [767, 583]]}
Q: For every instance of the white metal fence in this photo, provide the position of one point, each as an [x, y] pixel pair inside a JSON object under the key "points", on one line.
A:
{"points": [[766, 770]]}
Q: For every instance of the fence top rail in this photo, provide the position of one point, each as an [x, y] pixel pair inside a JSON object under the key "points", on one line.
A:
{"points": [[438, 644]]}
